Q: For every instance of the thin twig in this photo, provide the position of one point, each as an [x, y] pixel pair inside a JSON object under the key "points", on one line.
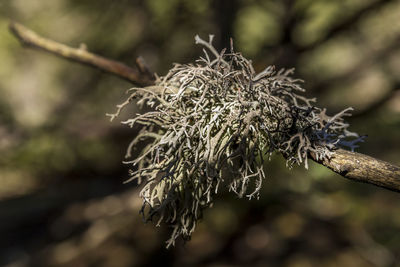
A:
{"points": [[362, 168], [144, 68], [30, 39], [351, 165]]}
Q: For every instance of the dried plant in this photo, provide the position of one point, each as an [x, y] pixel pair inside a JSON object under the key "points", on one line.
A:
{"points": [[215, 122]]}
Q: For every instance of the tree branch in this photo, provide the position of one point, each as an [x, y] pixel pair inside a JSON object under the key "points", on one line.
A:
{"points": [[30, 39], [351, 165], [362, 168]]}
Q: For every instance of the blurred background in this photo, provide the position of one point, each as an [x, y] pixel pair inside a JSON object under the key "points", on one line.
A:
{"points": [[62, 200]]}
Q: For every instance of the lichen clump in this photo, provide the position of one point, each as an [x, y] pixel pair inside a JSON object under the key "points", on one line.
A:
{"points": [[214, 123]]}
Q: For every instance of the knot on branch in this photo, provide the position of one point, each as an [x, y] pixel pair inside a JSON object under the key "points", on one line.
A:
{"points": [[214, 122]]}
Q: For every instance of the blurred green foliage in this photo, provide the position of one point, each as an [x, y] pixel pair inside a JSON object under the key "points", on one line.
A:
{"points": [[62, 200]]}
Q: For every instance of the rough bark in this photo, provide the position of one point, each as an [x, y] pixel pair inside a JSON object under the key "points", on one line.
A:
{"points": [[362, 168]]}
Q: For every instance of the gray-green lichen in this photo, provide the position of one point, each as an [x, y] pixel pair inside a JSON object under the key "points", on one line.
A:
{"points": [[214, 123]]}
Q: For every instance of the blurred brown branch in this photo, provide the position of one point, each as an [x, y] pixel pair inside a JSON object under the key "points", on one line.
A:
{"points": [[373, 107], [351, 165], [369, 60], [347, 23], [30, 39]]}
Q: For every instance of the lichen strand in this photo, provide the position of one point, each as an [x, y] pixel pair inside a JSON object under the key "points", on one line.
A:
{"points": [[215, 122]]}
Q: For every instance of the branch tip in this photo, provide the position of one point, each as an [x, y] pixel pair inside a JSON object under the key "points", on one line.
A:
{"points": [[31, 39]]}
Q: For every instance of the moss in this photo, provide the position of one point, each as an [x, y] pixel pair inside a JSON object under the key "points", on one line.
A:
{"points": [[214, 122]]}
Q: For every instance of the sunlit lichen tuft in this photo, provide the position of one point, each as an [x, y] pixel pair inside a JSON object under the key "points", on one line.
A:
{"points": [[214, 123]]}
